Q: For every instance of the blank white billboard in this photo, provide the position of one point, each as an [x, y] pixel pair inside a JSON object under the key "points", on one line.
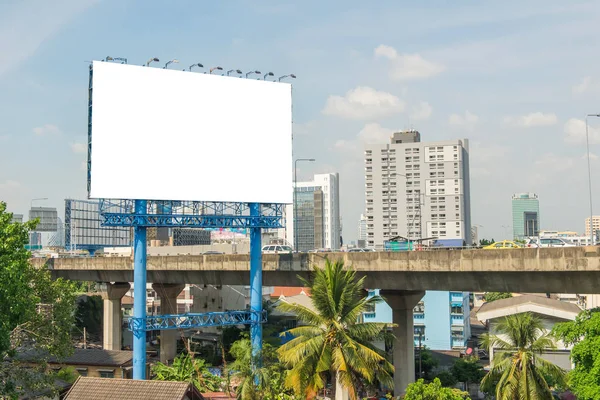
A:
{"points": [[162, 134]]}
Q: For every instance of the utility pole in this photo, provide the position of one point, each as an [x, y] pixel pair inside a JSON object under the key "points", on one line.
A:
{"points": [[420, 354], [84, 338]]}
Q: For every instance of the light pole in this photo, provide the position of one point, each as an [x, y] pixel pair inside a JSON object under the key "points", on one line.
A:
{"points": [[195, 65], [174, 61], [237, 71], [215, 69], [295, 196], [252, 72], [587, 141], [267, 74], [154, 59], [286, 76]]}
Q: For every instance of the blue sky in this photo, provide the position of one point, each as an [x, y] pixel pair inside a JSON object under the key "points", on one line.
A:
{"points": [[514, 77]]}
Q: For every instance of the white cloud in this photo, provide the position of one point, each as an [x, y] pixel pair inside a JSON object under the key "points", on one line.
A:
{"points": [[467, 120], [47, 130], [575, 132], [370, 133], [23, 31], [363, 102], [484, 158], [408, 66], [583, 86], [79, 148], [533, 120], [422, 111]]}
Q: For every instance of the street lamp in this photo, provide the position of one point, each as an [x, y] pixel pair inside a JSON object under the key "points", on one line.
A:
{"points": [[587, 142], [215, 69], [195, 65], [123, 60], [267, 74], [174, 61], [286, 76], [252, 72], [237, 71], [295, 196], [152, 60]]}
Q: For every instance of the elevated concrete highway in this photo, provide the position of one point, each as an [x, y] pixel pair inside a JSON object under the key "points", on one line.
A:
{"points": [[557, 270]]}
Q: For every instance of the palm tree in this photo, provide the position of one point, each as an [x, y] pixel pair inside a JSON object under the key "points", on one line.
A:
{"points": [[517, 370], [185, 368], [331, 341]]}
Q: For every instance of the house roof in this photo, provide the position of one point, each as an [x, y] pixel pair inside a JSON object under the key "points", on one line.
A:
{"points": [[300, 299], [110, 389], [99, 357], [528, 303], [288, 291]]}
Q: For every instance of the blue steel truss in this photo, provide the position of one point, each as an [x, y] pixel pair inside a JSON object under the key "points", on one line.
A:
{"points": [[196, 320], [191, 214]]}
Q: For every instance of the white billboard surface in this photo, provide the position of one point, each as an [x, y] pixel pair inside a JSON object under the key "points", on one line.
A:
{"points": [[162, 134]]}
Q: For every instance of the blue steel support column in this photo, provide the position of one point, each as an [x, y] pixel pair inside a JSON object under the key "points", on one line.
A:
{"points": [[256, 286], [139, 293]]}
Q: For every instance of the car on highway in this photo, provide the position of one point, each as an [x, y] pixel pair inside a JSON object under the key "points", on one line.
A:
{"points": [[360, 250], [548, 242], [277, 249], [212, 252], [505, 244]]}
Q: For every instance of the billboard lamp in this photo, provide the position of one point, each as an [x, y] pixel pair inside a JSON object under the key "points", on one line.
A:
{"points": [[237, 71], [252, 72], [196, 65], [286, 76], [215, 69], [267, 74], [174, 61], [152, 60]]}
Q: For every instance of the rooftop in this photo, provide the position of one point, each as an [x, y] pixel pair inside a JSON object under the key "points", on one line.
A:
{"points": [[97, 357], [528, 303], [110, 389], [288, 291]]}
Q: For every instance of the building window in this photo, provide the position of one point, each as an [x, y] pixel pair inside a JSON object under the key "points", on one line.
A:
{"points": [[82, 371], [455, 309], [106, 373]]}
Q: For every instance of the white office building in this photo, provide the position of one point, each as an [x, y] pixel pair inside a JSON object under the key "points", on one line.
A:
{"points": [[362, 231], [417, 189], [317, 213]]}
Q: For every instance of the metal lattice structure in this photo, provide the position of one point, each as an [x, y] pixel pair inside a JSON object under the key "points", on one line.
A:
{"points": [[196, 320], [191, 214]]}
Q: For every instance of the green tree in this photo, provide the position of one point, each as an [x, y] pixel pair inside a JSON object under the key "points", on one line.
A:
{"points": [[36, 313], [447, 379], [185, 368], [467, 370], [485, 242], [427, 364], [518, 371], [433, 391], [330, 340], [89, 316], [584, 335], [266, 382], [493, 296]]}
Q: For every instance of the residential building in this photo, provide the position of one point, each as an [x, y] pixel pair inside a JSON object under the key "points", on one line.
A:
{"points": [[86, 388], [441, 319], [417, 189], [317, 212], [17, 218], [550, 311], [362, 231], [596, 226], [526, 215]]}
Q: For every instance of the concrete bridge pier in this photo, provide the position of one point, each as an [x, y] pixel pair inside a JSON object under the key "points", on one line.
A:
{"points": [[112, 321], [168, 292], [402, 303]]}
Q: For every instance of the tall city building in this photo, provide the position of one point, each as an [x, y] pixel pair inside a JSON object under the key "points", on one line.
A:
{"points": [[362, 231], [317, 214], [526, 215], [596, 226], [417, 189]]}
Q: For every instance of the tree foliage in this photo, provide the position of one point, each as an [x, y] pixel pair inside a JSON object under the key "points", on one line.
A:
{"points": [[433, 391], [517, 370], [493, 296], [330, 341], [185, 368], [266, 382], [37, 314], [427, 362], [467, 370], [584, 335]]}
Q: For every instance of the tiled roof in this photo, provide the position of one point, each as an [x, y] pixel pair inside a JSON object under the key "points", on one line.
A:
{"points": [[112, 389], [288, 291], [97, 357]]}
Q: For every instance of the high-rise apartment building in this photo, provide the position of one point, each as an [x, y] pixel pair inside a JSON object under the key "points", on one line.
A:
{"points": [[317, 214], [362, 231], [596, 226], [417, 189], [526, 215]]}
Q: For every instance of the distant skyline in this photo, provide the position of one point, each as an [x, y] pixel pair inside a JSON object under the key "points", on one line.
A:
{"points": [[515, 78]]}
